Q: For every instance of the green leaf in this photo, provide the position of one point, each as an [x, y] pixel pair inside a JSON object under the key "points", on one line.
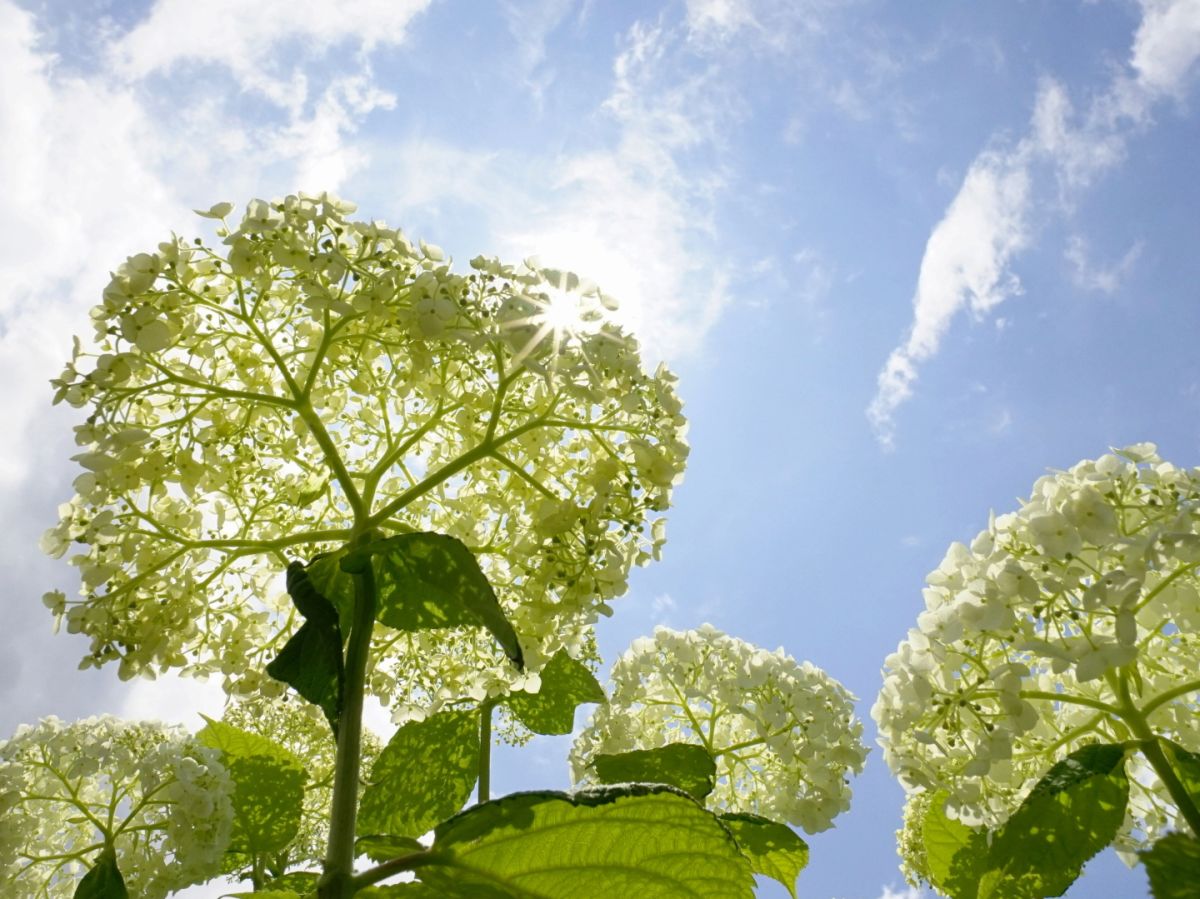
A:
{"points": [[684, 765], [268, 787], [1173, 866], [1072, 813], [104, 880], [297, 881], [382, 847], [566, 683], [424, 774], [266, 894], [311, 661], [1186, 765], [774, 849], [410, 890], [955, 854], [649, 842], [424, 581]]}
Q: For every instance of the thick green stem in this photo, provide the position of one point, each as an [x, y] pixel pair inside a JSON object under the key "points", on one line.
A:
{"points": [[337, 880], [485, 751], [1152, 749]]}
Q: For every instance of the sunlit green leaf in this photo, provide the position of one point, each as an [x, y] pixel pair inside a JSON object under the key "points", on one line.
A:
{"points": [[104, 880], [268, 787], [638, 841], [684, 765], [1072, 813], [1173, 866], [774, 849], [566, 683], [955, 855], [424, 774], [311, 661]]}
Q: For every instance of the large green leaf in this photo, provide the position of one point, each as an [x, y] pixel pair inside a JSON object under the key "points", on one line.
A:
{"points": [[955, 854], [268, 787], [774, 849], [424, 774], [424, 581], [1072, 813], [104, 880], [1173, 866], [684, 765], [566, 683], [649, 842], [311, 661]]}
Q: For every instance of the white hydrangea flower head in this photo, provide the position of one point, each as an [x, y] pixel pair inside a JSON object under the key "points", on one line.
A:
{"points": [[1038, 637], [314, 377], [783, 733], [162, 800]]}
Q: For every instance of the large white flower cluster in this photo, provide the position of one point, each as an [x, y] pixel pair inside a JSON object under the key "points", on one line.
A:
{"points": [[1072, 620], [152, 792], [782, 733], [317, 376]]}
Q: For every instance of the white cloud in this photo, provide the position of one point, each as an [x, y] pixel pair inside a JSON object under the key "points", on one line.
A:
{"points": [[968, 256], [907, 893], [965, 266], [1088, 275], [247, 37], [1167, 44]]}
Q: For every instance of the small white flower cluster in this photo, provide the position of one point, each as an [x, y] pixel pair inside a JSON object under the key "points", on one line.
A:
{"points": [[1059, 625], [258, 401], [151, 791], [782, 733]]}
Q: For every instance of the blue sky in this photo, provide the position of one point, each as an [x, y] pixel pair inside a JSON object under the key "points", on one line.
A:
{"points": [[905, 257]]}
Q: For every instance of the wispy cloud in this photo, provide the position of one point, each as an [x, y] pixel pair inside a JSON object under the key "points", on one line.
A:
{"points": [[965, 266], [248, 38], [968, 258], [1089, 275]]}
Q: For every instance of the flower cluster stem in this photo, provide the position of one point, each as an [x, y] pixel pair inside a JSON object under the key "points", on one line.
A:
{"points": [[337, 880], [1151, 748], [485, 751]]}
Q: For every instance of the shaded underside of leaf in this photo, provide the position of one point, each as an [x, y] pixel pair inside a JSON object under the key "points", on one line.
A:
{"points": [[103, 880], [566, 683], [268, 788], [774, 849], [382, 847], [424, 774], [1072, 813], [1173, 866], [424, 581], [684, 765], [636, 841]]}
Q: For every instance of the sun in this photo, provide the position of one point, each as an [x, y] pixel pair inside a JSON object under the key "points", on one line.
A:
{"points": [[562, 309]]}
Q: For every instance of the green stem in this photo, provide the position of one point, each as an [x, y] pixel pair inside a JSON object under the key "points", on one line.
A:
{"points": [[1151, 747], [337, 880], [485, 751]]}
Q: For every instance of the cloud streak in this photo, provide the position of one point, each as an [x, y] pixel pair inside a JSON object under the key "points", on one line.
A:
{"points": [[968, 257]]}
